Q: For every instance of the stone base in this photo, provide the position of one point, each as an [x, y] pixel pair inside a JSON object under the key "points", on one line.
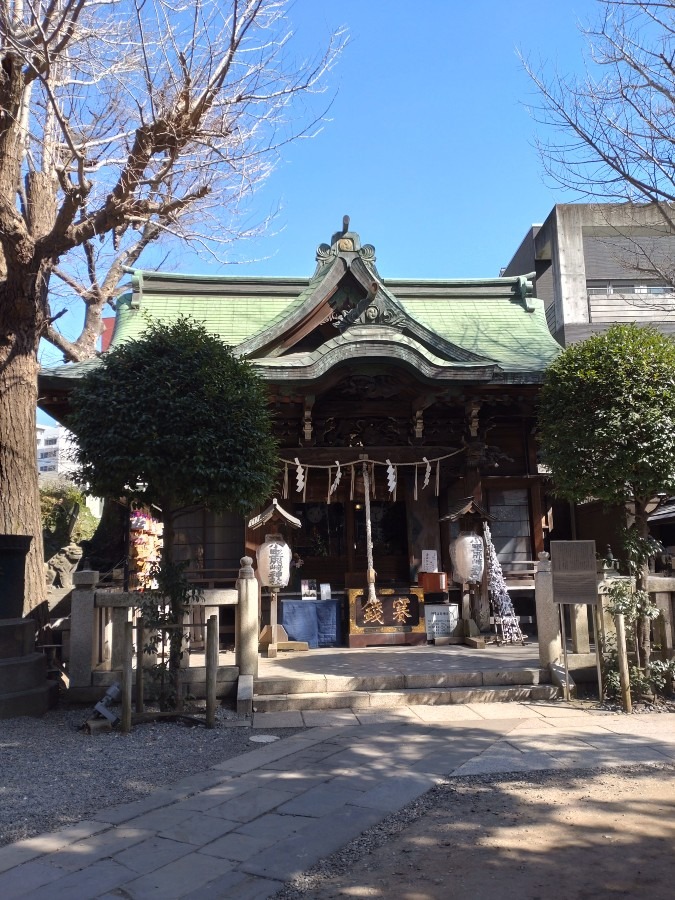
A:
{"points": [[292, 645], [17, 637], [33, 702], [24, 688], [478, 643]]}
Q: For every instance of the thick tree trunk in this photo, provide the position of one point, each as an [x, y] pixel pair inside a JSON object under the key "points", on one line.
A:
{"points": [[20, 503]]}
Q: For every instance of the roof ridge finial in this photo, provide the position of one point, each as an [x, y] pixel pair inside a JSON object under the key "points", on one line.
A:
{"points": [[345, 224]]}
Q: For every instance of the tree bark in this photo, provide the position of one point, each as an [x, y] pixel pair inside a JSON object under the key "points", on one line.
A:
{"points": [[20, 506]]}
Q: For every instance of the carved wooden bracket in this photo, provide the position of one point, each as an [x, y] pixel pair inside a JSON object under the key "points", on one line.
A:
{"points": [[307, 426]]}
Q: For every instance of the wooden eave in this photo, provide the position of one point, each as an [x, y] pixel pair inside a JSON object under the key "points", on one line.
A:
{"points": [[372, 344]]}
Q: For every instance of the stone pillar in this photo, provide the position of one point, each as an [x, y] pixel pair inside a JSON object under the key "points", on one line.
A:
{"points": [[663, 626], [119, 616], [82, 621], [246, 640], [607, 623], [548, 614], [581, 642]]}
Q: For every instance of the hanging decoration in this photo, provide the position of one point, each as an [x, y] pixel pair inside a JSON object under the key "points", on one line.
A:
{"points": [[391, 478], [302, 475], [467, 557], [502, 605], [336, 482], [300, 479], [427, 472]]}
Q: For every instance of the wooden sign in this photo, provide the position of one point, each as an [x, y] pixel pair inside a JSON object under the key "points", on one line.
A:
{"points": [[574, 571]]}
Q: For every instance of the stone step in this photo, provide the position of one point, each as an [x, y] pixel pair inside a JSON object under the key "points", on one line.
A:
{"points": [[32, 702], [384, 699], [17, 637], [317, 684], [22, 673]]}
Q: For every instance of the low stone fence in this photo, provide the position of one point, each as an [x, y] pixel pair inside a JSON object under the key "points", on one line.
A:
{"points": [[97, 635]]}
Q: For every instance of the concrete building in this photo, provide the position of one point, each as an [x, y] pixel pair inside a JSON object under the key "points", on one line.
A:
{"points": [[596, 264], [54, 450]]}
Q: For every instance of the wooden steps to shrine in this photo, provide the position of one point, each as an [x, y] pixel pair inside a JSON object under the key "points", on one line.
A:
{"points": [[391, 691]]}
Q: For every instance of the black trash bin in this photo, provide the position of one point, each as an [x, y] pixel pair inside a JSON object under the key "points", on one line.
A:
{"points": [[13, 550]]}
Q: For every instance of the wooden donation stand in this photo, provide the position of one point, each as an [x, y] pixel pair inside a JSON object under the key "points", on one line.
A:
{"points": [[396, 618]]}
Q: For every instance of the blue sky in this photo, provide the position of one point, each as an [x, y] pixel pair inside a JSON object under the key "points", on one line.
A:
{"points": [[429, 146]]}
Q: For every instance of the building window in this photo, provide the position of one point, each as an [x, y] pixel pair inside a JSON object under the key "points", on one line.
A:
{"points": [[607, 288]]}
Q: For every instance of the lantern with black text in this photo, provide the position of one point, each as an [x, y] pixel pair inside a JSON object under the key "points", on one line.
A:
{"points": [[468, 558], [274, 562]]}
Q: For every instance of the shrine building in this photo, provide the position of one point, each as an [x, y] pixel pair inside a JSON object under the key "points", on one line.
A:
{"points": [[424, 390]]}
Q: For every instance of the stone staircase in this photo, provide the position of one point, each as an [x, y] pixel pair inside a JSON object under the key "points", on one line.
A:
{"points": [[24, 689], [276, 694]]}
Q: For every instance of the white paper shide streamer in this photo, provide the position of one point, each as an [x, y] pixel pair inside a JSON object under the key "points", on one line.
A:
{"points": [[336, 481], [299, 476], [391, 477]]}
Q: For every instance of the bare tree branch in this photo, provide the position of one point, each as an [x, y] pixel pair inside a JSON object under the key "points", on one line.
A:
{"points": [[611, 132]]}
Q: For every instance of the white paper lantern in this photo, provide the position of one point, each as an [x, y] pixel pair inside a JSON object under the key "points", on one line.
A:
{"points": [[468, 558], [274, 561]]}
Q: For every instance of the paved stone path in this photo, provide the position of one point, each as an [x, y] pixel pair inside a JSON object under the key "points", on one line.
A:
{"points": [[244, 827]]}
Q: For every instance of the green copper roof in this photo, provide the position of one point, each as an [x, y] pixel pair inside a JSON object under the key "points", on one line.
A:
{"points": [[232, 308], [456, 329], [486, 317], [497, 328]]}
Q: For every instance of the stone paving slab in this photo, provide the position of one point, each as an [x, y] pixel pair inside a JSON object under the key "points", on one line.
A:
{"points": [[330, 717], [13, 855], [442, 714], [275, 826], [88, 851], [85, 884], [402, 714], [26, 879], [292, 856], [237, 847], [502, 711], [290, 718], [489, 764], [557, 710], [182, 876], [199, 829], [319, 801], [233, 884]]}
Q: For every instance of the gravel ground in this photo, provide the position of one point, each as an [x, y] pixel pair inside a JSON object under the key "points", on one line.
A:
{"points": [[595, 833], [53, 774]]}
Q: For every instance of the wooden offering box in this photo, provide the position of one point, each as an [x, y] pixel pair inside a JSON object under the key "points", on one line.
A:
{"points": [[398, 617], [432, 582]]}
